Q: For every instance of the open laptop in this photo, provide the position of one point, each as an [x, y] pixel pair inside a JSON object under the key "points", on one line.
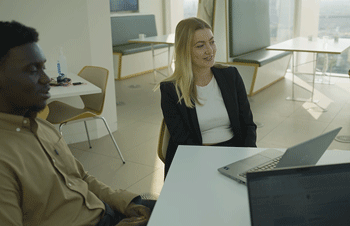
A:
{"points": [[309, 195], [306, 153]]}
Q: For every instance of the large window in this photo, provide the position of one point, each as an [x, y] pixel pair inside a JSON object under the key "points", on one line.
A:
{"points": [[190, 8], [334, 20], [281, 20]]}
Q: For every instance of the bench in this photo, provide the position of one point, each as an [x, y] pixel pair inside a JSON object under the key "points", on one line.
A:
{"points": [[132, 59], [247, 28], [262, 68]]}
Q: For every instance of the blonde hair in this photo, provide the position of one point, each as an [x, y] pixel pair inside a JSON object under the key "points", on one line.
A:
{"points": [[183, 78]]}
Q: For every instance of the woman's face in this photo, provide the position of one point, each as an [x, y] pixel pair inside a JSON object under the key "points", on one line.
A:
{"points": [[203, 49]]}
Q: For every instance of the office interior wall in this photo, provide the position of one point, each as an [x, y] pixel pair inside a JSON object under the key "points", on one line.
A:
{"points": [[82, 28], [176, 13], [306, 24]]}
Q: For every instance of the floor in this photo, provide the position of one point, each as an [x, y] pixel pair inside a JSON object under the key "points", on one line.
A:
{"points": [[283, 123]]}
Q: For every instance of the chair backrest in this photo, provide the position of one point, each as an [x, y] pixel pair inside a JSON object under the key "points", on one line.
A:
{"points": [[99, 77], [44, 113], [163, 142], [249, 26]]}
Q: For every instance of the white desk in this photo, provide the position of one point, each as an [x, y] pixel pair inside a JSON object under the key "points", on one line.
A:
{"points": [[69, 91], [161, 39], [195, 193], [316, 46]]}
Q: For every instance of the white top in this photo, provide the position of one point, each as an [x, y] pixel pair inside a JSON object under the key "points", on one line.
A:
{"points": [[196, 194], [213, 119]]}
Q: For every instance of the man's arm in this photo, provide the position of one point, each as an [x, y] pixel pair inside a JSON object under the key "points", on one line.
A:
{"points": [[118, 199], [10, 198]]}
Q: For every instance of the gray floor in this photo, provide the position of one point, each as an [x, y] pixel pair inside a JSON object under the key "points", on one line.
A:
{"points": [[285, 123]]}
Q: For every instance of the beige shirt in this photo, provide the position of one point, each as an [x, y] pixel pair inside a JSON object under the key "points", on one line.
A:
{"points": [[41, 183]]}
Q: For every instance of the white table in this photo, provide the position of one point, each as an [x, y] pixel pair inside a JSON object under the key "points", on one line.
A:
{"points": [[195, 193], [161, 39], [70, 91], [316, 46]]}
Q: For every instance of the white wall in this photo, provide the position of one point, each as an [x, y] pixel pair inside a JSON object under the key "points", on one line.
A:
{"points": [[307, 18], [82, 28], [175, 9]]}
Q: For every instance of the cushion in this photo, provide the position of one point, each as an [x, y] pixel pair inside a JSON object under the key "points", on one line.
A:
{"points": [[125, 28], [261, 56]]}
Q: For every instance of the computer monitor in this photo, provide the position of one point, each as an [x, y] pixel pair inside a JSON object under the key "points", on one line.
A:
{"points": [[313, 195]]}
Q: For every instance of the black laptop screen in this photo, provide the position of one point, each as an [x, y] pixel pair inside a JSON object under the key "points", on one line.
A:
{"points": [[318, 195]]}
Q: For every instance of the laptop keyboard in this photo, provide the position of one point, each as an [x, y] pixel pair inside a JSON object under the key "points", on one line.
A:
{"points": [[269, 166]]}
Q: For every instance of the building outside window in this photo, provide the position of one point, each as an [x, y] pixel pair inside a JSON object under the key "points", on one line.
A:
{"points": [[334, 20]]}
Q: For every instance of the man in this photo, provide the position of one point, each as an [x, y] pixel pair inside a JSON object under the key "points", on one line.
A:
{"points": [[41, 183]]}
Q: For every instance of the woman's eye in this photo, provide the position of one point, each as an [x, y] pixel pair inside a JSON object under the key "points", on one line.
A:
{"points": [[200, 46]]}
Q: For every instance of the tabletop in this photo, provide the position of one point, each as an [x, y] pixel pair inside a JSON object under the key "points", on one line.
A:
{"points": [[317, 45], [161, 39], [195, 193], [69, 91]]}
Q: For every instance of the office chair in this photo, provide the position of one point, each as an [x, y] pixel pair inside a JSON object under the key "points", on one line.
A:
{"points": [[44, 113], [61, 113], [163, 141]]}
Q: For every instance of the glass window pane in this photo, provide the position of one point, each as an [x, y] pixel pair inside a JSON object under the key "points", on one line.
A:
{"points": [[334, 21], [281, 20], [190, 8]]}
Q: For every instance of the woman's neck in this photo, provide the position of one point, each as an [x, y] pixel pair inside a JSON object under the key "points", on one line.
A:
{"points": [[202, 76]]}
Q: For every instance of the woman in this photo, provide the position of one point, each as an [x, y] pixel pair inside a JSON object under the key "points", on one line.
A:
{"points": [[203, 103]]}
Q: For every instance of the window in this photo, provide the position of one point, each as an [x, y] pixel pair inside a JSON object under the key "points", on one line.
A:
{"points": [[281, 20], [334, 21], [190, 8]]}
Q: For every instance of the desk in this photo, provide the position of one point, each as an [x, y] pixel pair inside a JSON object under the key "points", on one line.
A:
{"points": [[316, 46], [195, 193], [69, 91], [162, 39]]}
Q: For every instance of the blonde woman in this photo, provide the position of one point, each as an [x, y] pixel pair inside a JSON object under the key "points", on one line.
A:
{"points": [[203, 103]]}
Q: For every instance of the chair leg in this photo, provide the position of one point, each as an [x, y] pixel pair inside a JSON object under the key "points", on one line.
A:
{"points": [[87, 133], [110, 134]]}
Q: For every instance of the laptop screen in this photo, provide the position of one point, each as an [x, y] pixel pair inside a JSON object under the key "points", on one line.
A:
{"points": [[315, 195]]}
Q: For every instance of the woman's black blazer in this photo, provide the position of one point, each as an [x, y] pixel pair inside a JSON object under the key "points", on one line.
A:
{"points": [[182, 122]]}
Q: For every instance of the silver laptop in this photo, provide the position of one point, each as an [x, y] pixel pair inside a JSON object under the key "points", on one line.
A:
{"points": [[302, 196], [306, 153]]}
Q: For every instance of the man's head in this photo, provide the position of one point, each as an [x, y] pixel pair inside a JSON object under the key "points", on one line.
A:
{"points": [[24, 85]]}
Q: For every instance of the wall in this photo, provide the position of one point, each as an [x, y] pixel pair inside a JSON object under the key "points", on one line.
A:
{"points": [[82, 28], [306, 24]]}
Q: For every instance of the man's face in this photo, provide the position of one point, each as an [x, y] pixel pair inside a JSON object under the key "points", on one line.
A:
{"points": [[24, 86]]}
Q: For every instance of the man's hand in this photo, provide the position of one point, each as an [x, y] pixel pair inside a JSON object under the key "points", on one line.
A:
{"points": [[136, 215]]}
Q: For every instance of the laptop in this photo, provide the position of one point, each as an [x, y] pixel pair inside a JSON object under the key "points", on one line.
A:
{"points": [[306, 153], [309, 195]]}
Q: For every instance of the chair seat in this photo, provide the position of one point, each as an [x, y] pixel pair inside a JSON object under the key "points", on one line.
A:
{"points": [[61, 112]]}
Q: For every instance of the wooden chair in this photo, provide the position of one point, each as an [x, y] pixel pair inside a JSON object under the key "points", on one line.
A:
{"points": [[44, 113], [163, 141], [61, 113]]}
